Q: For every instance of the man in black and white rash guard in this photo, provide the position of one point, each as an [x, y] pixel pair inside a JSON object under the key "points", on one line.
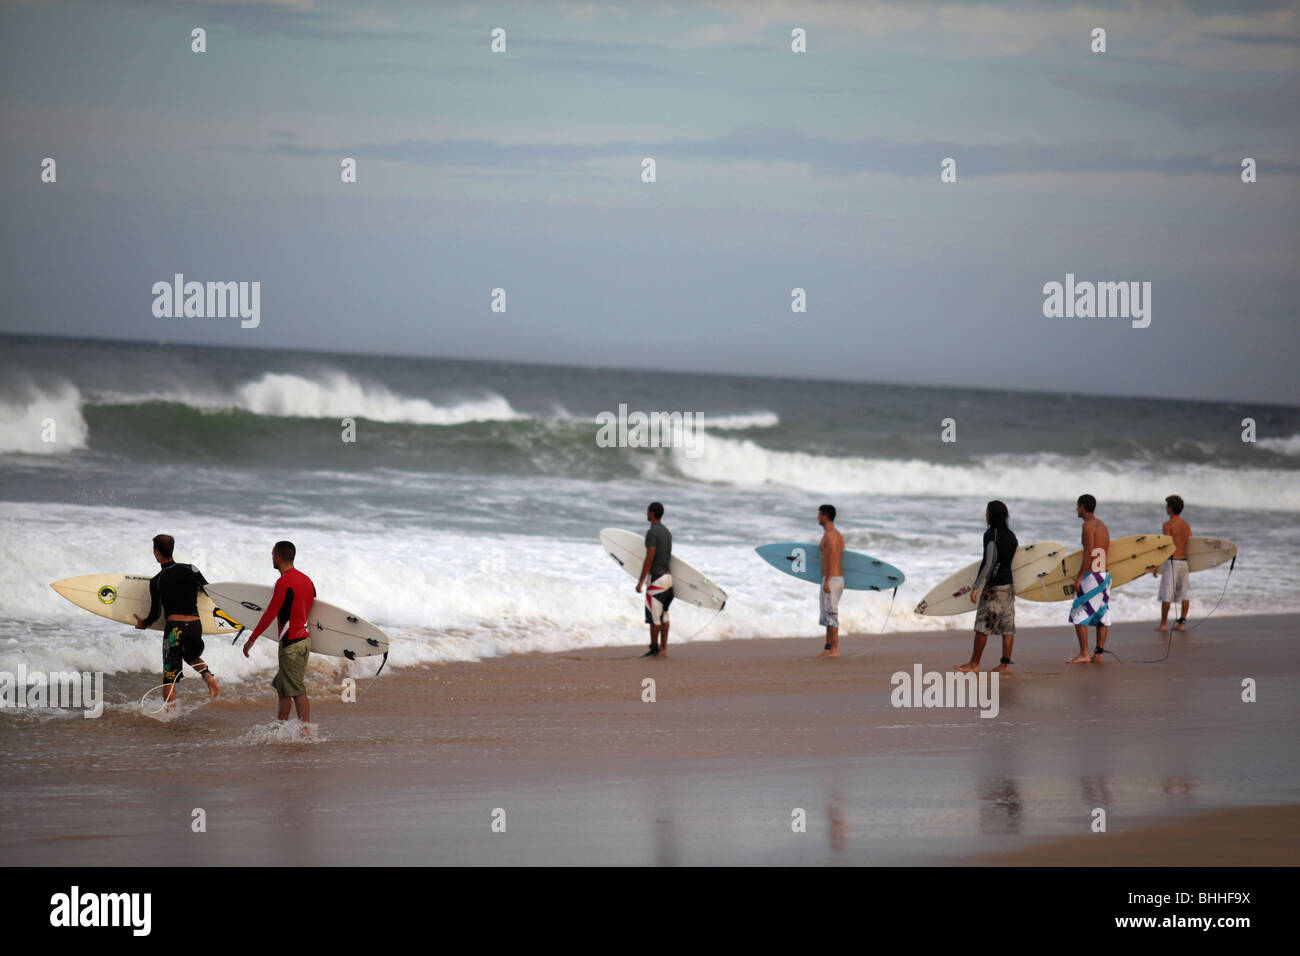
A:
{"points": [[994, 589]]}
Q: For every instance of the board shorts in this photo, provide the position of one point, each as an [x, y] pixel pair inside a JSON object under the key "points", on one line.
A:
{"points": [[996, 611], [829, 603], [182, 641], [1174, 585], [291, 679], [1091, 607], [658, 595]]}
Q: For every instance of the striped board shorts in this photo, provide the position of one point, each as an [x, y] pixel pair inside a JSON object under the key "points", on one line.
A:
{"points": [[1091, 607]]}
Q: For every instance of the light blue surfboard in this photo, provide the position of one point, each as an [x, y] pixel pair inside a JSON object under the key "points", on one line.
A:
{"points": [[862, 572]]}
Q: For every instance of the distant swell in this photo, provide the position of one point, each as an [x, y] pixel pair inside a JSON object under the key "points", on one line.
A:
{"points": [[1044, 477], [331, 395]]}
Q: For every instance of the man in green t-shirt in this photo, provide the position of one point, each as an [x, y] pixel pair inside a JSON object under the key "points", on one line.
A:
{"points": [[659, 590]]}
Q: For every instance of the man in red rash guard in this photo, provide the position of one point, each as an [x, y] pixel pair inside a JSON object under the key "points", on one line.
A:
{"points": [[290, 604]]}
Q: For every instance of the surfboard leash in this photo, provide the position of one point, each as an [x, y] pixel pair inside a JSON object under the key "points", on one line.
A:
{"points": [[706, 625], [881, 636], [1231, 567], [1169, 631]]}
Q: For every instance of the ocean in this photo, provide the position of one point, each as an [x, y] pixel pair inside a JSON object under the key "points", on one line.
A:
{"points": [[464, 517]]}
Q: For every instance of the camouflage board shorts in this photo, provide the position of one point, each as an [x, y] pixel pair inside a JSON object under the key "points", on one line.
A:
{"points": [[996, 613]]}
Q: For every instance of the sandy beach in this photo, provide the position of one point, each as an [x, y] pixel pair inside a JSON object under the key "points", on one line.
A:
{"points": [[742, 736]]}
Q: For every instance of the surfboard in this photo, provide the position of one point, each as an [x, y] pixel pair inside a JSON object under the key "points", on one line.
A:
{"points": [[118, 596], [628, 551], [1128, 558], [1204, 553], [335, 632], [862, 572], [1029, 565]]}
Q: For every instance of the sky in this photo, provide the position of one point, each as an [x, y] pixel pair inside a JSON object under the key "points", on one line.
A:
{"points": [[775, 170]]}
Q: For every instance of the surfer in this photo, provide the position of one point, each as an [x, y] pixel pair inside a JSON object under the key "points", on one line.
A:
{"points": [[174, 592], [1091, 605], [659, 589], [291, 602], [828, 598], [1174, 585], [994, 589]]}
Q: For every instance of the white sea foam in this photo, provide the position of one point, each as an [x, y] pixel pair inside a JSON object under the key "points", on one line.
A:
{"points": [[741, 421], [458, 596], [27, 420], [1283, 446]]}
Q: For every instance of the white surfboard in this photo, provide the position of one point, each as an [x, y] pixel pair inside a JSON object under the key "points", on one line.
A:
{"points": [[1204, 553], [1029, 565], [1127, 558], [334, 631], [689, 585], [119, 596]]}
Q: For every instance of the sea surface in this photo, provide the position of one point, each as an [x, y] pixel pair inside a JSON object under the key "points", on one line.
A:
{"points": [[463, 518]]}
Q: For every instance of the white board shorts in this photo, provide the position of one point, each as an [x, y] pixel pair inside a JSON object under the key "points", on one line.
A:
{"points": [[829, 604], [658, 595], [1174, 585]]}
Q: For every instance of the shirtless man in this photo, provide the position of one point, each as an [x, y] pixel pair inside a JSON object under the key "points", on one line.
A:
{"points": [[1092, 586], [832, 549], [1173, 573]]}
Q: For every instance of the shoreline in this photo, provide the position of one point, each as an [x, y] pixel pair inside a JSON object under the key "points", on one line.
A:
{"points": [[741, 735]]}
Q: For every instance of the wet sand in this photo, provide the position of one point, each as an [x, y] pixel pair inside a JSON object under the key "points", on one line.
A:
{"points": [[742, 738]]}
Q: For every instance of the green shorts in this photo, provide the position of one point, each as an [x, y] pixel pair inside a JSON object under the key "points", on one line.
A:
{"points": [[291, 679]]}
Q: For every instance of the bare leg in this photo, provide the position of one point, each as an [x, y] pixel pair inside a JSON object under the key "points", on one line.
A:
{"points": [[832, 648], [1084, 657], [1007, 641], [1186, 606], [663, 639], [1102, 631], [973, 665], [285, 704], [214, 689], [1164, 615]]}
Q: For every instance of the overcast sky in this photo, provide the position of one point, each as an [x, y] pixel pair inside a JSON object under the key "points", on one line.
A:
{"points": [[776, 170]]}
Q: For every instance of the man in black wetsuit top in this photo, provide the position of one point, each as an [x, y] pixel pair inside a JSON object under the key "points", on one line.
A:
{"points": [[994, 589], [174, 593]]}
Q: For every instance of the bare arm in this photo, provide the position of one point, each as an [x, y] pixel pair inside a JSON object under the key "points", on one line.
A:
{"points": [[645, 567], [1085, 565]]}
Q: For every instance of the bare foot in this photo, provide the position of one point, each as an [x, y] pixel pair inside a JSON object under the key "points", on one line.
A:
{"points": [[969, 668], [1160, 627], [1001, 669], [1081, 659], [1180, 627], [214, 689], [829, 654], [1096, 658], [662, 654]]}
